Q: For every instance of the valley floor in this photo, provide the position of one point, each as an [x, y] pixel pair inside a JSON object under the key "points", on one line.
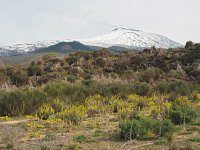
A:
{"points": [[97, 133]]}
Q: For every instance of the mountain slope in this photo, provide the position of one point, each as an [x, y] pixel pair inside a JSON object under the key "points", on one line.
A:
{"points": [[130, 38], [26, 47], [63, 47]]}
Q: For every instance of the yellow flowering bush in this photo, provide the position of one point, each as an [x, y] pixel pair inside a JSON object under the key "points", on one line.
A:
{"points": [[4, 118], [183, 101], [134, 105], [95, 105], [45, 111], [58, 105], [115, 104], [139, 102], [33, 126], [53, 121], [159, 106], [73, 115], [30, 117], [126, 111], [198, 104]]}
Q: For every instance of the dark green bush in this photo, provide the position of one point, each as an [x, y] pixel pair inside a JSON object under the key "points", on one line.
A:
{"points": [[21, 101], [18, 76], [100, 62], [176, 115], [72, 60], [163, 128], [180, 87], [35, 70], [150, 74], [71, 78], [80, 138], [143, 88], [195, 73], [141, 126], [132, 129], [162, 87], [189, 44]]}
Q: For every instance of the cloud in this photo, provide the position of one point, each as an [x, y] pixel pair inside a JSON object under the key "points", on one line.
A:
{"points": [[33, 20]]}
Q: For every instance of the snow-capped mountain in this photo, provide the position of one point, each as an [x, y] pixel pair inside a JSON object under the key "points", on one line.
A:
{"points": [[120, 37], [131, 38], [27, 47]]}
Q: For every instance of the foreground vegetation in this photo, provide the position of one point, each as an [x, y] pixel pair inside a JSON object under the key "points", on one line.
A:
{"points": [[111, 121], [151, 98]]}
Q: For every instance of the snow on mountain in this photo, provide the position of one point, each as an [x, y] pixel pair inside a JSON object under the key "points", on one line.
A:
{"points": [[27, 47], [120, 37], [130, 38]]}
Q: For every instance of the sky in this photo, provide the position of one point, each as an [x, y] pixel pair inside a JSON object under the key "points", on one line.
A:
{"points": [[23, 21]]}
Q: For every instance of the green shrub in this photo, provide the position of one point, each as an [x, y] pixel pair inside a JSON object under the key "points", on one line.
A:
{"points": [[71, 78], [100, 62], [49, 136], [162, 87], [72, 60], [139, 127], [189, 44], [3, 76], [180, 74], [195, 73], [135, 128], [22, 101], [80, 138], [18, 76], [35, 70], [177, 115], [163, 128], [143, 88], [150, 74], [180, 87], [49, 57]]}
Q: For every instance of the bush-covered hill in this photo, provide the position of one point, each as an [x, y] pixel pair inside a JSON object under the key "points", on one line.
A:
{"points": [[150, 66], [64, 47]]}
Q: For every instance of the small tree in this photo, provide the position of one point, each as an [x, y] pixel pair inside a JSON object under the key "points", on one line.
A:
{"points": [[184, 104], [189, 44], [160, 108]]}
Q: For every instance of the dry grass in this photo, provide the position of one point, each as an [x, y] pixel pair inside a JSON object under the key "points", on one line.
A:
{"points": [[104, 80], [92, 133], [10, 137]]}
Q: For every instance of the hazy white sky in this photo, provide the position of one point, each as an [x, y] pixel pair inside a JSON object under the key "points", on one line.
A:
{"points": [[34, 20]]}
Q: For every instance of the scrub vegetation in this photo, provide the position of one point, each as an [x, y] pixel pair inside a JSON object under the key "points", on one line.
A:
{"points": [[128, 100]]}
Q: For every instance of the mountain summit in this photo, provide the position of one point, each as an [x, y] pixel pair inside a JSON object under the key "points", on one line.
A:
{"points": [[119, 38], [131, 38]]}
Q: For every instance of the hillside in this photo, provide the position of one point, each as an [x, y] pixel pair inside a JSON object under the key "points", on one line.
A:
{"points": [[150, 65], [64, 47]]}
